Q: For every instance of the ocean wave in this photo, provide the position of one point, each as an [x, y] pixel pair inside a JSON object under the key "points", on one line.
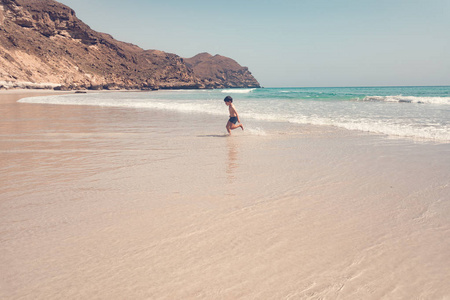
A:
{"points": [[255, 131], [280, 112], [183, 106], [433, 132], [238, 91], [409, 99], [371, 126]]}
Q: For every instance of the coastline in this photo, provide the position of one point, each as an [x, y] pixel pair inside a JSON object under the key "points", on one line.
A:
{"points": [[117, 202], [13, 95]]}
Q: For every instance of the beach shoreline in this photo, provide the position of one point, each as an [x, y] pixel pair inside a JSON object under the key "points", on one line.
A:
{"points": [[116, 203], [17, 94]]}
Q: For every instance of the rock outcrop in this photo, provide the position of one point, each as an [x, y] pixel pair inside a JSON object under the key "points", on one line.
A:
{"points": [[220, 71], [42, 42]]}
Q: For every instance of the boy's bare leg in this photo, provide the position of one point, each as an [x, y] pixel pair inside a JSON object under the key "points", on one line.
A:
{"points": [[234, 126], [228, 127]]}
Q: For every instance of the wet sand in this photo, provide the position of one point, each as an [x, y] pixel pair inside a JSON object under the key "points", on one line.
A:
{"points": [[114, 203]]}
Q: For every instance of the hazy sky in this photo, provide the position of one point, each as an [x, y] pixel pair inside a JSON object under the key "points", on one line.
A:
{"points": [[297, 43]]}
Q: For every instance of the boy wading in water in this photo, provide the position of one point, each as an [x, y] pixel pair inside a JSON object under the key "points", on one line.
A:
{"points": [[234, 117]]}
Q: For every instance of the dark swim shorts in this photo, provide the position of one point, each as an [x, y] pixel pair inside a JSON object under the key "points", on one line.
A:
{"points": [[233, 120]]}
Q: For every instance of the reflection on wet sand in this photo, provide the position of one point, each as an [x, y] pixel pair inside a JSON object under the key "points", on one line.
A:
{"points": [[232, 162]]}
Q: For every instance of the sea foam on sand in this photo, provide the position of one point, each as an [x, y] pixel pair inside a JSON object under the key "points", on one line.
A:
{"points": [[117, 203]]}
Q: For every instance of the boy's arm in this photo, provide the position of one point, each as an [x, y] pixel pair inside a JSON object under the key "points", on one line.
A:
{"points": [[235, 112]]}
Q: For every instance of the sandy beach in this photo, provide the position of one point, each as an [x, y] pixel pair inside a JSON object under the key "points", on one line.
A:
{"points": [[119, 203]]}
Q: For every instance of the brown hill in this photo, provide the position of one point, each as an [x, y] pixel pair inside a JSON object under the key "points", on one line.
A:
{"points": [[213, 69], [44, 44]]}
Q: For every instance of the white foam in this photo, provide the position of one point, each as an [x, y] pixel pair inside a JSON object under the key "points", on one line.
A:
{"points": [[432, 132], [380, 127], [255, 131], [409, 99], [184, 106], [238, 91], [278, 111]]}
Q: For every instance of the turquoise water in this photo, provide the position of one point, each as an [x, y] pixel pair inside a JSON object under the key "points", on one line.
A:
{"points": [[351, 93], [403, 112]]}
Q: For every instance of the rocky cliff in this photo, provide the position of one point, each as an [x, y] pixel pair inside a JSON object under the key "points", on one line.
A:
{"points": [[44, 44]]}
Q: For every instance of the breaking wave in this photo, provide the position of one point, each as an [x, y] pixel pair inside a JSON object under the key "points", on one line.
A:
{"points": [[238, 91], [409, 99], [432, 132], [428, 122], [183, 106]]}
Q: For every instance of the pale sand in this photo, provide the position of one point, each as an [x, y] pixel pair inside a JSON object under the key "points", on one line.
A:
{"points": [[107, 203]]}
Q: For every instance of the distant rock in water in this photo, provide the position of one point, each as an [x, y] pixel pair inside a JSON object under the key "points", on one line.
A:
{"points": [[44, 45]]}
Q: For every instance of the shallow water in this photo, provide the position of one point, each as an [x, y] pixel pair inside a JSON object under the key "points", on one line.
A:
{"points": [[401, 112], [116, 202]]}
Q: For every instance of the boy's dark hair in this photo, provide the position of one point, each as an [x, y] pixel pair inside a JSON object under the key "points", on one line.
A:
{"points": [[228, 99]]}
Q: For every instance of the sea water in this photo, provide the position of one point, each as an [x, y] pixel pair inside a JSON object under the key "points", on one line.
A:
{"points": [[420, 113]]}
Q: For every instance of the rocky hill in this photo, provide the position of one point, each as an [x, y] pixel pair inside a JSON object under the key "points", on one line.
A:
{"points": [[44, 45], [214, 69]]}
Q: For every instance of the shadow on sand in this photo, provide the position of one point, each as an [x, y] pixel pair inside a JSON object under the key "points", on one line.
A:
{"points": [[214, 135]]}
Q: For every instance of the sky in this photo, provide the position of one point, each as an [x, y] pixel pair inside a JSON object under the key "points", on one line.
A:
{"points": [[292, 43]]}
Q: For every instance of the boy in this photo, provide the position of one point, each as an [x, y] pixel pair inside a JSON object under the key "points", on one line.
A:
{"points": [[234, 117]]}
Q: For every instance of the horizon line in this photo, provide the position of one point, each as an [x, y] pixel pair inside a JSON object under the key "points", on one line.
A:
{"points": [[356, 86]]}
